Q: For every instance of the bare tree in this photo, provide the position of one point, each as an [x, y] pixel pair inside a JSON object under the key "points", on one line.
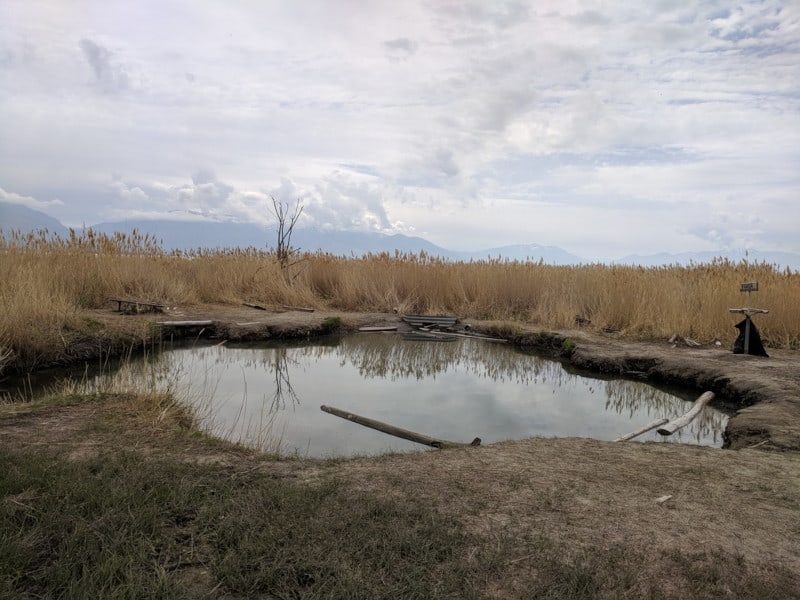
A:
{"points": [[286, 223]]}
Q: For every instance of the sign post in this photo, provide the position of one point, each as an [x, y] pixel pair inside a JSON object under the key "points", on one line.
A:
{"points": [[749, 287]]}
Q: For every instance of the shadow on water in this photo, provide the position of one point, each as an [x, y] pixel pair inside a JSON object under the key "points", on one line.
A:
{"points": [[268, 395]]}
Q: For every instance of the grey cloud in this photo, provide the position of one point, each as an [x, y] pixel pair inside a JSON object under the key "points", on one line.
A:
{"points": [[589, 17], [203, 175], [733, 230], [472, 23], [108, 76], [444, 162], [341, 202], [400, 48]]}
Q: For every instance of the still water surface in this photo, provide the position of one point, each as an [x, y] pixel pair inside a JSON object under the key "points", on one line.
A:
{"points": [[269, 396]]}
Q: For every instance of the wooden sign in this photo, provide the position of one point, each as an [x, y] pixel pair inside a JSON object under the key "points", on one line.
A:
{"points": [[750, 286]]}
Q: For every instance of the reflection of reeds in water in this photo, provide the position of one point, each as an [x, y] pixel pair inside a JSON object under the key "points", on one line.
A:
{"points": [[387, 357], [634, 398], [255, 425]]}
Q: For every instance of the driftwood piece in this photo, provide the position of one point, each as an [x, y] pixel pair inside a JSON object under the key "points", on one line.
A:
{"points": [[300, 308], [641, 430], [377, 329], [134, 305], [256, 306], [185, 323], [396, 431], [472, 336], [683, 421]]}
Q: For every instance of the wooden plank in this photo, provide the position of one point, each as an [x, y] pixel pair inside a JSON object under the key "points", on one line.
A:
{"points": [[256, 306], [301, 308], [386, 328], [185, 323], [642, 429], [683, 421], [136, 304], [420, 320], [396, 431]]}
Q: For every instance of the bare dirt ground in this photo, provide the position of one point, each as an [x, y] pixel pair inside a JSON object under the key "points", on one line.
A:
{"points": [[581, 493]]}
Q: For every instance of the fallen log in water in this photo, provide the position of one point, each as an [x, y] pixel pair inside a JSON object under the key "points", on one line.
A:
{"points": [[397, 431], [683, 421], [641, 430]]}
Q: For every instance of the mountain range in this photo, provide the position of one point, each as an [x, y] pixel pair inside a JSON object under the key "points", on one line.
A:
{"points": [[187, 235]]}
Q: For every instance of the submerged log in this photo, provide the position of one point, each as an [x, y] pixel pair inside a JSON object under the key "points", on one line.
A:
{"points": [[641, 430], [683, 421], [397, 431], [379, 329]]}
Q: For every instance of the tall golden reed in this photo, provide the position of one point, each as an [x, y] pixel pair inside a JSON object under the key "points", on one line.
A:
{"points": [[47, 280]]}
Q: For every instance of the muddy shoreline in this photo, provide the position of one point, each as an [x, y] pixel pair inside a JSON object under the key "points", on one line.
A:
{"points": [[766, 391]]}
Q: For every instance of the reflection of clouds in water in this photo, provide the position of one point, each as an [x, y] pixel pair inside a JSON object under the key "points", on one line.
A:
{"points": [[384, 356], [518, 393]]}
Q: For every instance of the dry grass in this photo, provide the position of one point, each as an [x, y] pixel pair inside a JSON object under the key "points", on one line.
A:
{"points": [[48, 280]]}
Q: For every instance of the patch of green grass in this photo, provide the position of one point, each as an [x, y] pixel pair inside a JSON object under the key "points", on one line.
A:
{"points": [[331, 324], [121, 525]]}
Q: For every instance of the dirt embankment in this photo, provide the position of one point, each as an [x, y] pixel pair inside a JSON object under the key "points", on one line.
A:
{"points": [[766, 390], [620, 520]]}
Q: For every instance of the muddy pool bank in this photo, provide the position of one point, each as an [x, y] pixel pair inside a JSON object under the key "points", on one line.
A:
{"points": [[766, 391]]}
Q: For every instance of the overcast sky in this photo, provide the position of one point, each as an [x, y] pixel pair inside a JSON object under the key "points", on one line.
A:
{"points": [[605, 128]]}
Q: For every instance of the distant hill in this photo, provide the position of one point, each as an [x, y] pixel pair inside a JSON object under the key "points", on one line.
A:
{"points": [[24, 219], [187, 235], [551, 255], [781, 259]]}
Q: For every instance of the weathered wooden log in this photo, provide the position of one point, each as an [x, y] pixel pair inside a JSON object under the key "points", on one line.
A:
{"points": [[683, 421], [473, 336], [256, 306], [397, 431], [185, 323], [641, 430], [379, 329], [300, 308]]}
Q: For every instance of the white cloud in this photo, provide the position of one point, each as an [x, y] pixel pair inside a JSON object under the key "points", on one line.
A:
{"points": [[465, 120], [42, 205]]}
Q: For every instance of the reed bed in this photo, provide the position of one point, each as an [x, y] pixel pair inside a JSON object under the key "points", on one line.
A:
{"points": [[49, 280]]}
